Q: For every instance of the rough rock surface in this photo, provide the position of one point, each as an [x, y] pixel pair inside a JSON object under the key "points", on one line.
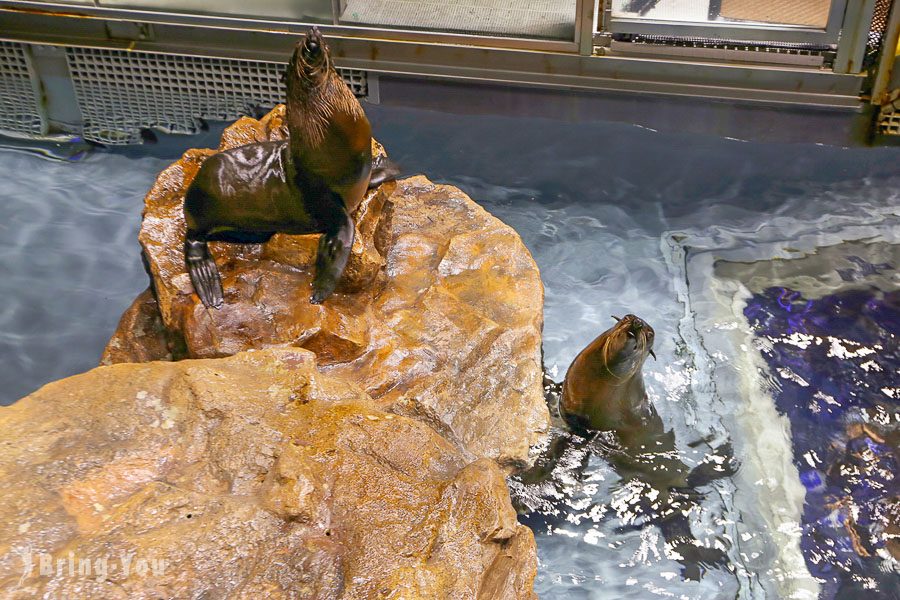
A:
{"points": [[438, 317], [255, 476]]}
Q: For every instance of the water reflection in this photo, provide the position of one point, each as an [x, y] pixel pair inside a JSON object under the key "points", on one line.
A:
{"points": [[837, 359]]}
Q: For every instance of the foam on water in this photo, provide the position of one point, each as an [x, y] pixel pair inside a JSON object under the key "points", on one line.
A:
{"points": [[598, 205]]}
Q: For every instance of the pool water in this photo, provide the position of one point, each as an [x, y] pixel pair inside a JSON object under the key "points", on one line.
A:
{"points": [[612, 214]]}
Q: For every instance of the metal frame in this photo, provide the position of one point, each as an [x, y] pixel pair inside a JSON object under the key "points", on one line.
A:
{"points": [[739, 31], [586, 25], [746, 83], [852, 48], [286, 26], [433, 54], [887, 61]]}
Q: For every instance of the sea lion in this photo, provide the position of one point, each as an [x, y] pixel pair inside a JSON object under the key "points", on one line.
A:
{"points": [[603, 408], [309, 183], [604, 391]]}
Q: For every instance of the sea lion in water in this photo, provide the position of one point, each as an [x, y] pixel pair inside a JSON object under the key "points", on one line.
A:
{"points": [[603, 407], [309, 183], [604, 391]]}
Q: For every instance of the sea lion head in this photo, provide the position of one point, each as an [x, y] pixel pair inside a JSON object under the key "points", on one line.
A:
{"points": [[625, 346], [604, 389], [310, 64]]}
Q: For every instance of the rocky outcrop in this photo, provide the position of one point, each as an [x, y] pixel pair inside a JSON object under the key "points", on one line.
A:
{"points": [[438, 316], [255, 476]]}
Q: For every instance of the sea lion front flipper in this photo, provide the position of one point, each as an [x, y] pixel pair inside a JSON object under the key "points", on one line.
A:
{"points": [[204, 274], [383, 170], [334, 250]]}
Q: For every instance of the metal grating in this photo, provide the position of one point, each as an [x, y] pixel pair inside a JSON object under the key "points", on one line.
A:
{"points": [[720, 44], [120, 93], [879, 26], [19, 108], [889, 117]]}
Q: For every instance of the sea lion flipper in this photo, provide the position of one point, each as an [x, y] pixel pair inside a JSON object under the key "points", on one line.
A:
{"points": [[204, 274], [334, 250], [383, 170], [716, 465]]}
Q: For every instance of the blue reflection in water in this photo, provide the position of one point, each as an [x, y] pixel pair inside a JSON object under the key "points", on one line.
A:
{"points": [[840, 392]]}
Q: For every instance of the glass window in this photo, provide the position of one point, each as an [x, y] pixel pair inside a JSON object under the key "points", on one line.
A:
{"points": [[542, 19], [808, 13], [307, 11]]}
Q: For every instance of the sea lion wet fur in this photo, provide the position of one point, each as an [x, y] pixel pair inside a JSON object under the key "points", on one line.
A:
{"points": [[309, 183], [603, 408]]}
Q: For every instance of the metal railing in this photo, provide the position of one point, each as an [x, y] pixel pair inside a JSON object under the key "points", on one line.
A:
{"points": [[735, 61]]}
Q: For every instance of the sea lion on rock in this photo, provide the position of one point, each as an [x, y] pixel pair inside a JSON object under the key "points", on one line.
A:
{"points": [[604, 408], [310, 183]]}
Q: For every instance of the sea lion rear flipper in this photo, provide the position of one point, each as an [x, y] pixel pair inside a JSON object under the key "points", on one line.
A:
{"points": [[334, 250], [696, 559], [716, 465], [204, 274], [383, 170]]}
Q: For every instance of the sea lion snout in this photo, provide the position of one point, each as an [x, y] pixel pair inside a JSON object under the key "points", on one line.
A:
{"points": [[638, 334], [313, 44], [310, 62], [634, 325]]}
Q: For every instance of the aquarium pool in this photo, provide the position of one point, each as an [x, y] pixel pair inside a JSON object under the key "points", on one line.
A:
{"points": [[619, 219]]}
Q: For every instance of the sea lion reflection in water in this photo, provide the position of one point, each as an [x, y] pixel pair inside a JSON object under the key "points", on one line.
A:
{"points": [[310, 183], [603, 408]]}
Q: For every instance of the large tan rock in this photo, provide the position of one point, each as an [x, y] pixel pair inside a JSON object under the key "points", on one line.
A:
{"points": [[255, 476], [438, 316]]}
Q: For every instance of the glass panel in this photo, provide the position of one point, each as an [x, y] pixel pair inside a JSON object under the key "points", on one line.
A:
{"points": [[809, 13], [307, 11], [543, 19]]}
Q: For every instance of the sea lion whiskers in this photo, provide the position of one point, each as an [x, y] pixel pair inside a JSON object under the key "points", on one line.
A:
{"points": [[320, 91], [611, 350], [310, 61]]}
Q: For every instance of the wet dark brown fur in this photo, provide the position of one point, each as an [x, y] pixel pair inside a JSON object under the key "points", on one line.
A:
{"points": [[310, 183], [604, 391], [330, 136], [605, 408]]}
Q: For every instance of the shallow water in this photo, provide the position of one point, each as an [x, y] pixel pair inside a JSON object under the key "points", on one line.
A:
{"points": [[597, 204]]}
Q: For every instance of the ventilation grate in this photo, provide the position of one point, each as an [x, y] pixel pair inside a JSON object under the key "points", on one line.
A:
{"points": [[19, 109], [889, 117], [120, 93], [720, 44]]}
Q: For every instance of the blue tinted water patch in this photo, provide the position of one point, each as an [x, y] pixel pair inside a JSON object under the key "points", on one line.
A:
{"points": [[838, 360], [70, 261]]}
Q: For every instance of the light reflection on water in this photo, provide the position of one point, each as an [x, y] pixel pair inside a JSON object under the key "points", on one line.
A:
{"points": [[593, 202]]}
